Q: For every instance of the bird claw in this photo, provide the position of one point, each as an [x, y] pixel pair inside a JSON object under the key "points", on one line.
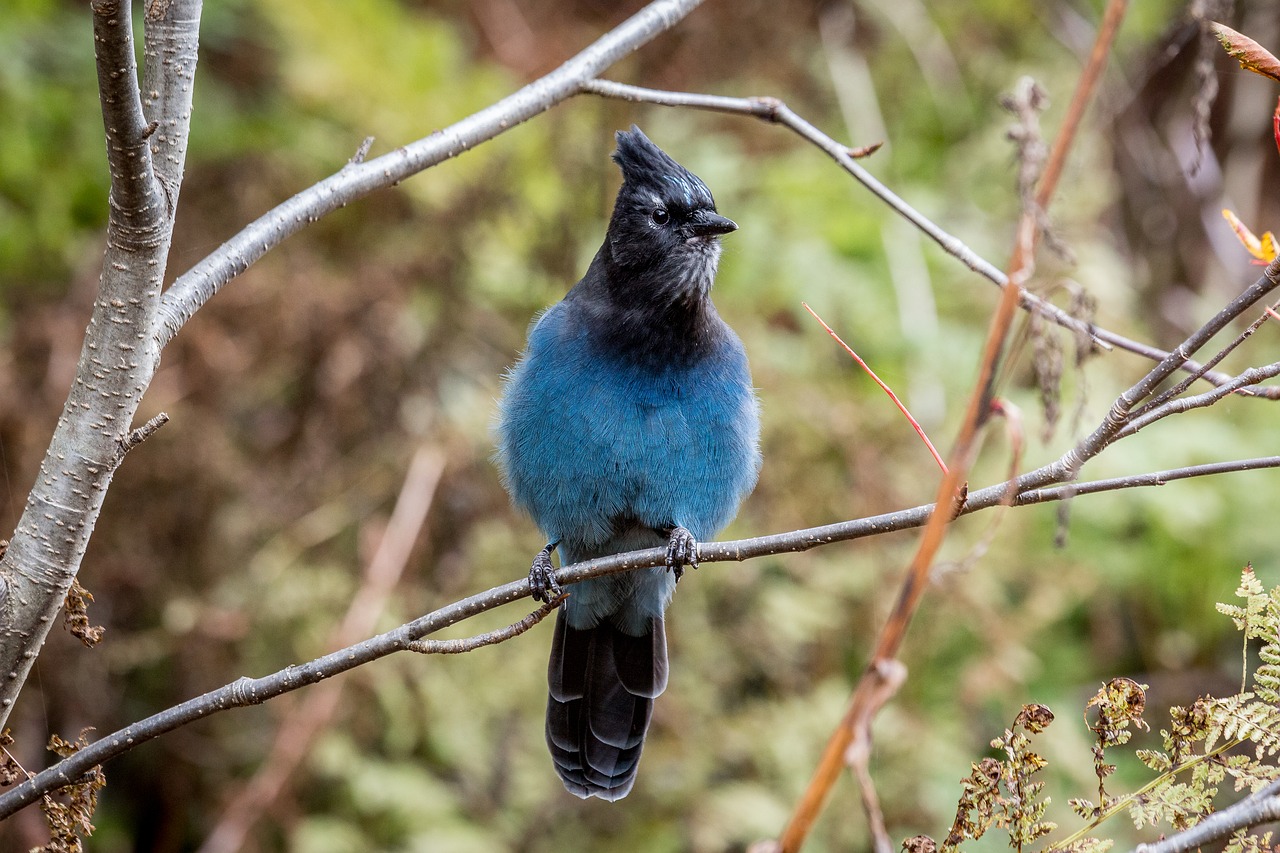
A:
{"points": [[682, 550], [542, 577]]}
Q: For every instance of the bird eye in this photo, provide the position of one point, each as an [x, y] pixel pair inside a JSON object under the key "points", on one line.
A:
{"points": [[660, 215]]}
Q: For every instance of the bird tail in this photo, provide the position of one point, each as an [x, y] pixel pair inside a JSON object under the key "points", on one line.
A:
{"points": [[602, 683]]}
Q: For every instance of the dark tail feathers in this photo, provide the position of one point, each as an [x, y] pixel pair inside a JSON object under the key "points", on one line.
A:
{"points": [[602, 684]]}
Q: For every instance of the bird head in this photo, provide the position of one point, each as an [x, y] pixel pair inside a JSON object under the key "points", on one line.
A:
{"points": [[665, 226]]}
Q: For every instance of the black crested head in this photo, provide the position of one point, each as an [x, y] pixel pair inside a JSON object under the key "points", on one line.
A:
{"points": [[646, 166], [662, 248]]}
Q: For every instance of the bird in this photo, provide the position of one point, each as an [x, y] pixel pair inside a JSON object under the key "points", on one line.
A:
{"points": [[629, 421]]}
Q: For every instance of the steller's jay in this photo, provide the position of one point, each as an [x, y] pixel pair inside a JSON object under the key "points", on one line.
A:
{"points": [[629, 422]]}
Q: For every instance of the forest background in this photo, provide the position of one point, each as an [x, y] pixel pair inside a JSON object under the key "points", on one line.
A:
{"points": [[233, 541]]}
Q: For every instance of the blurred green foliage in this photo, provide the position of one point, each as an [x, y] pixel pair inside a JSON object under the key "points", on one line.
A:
{"points": [[232, 543], [51, 180]]}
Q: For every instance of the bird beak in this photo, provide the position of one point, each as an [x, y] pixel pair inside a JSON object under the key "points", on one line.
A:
{"points": [[707, 223]]}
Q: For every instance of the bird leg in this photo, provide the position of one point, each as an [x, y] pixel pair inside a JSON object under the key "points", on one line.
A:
{"points": [[682, 550], [542, 575]]}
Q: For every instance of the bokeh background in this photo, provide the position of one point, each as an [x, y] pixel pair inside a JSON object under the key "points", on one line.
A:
{"points": [[233, 542]]}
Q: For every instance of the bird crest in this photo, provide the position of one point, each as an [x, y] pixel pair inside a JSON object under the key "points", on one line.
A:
{"points": [[645, 164]]}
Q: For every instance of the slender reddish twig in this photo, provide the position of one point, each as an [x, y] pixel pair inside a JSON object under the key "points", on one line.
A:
{"points": [[937, 457], [772, 110], [949, 495]]}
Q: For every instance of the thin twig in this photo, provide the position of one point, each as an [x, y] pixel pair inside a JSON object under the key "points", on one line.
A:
{"points": [[254, 691], [199, 284], [1246, 379], [937, 457], [1156, 478], [363, 151], [1213, 362], [1120, 415], [491, 638], [775, 111], [893, 633], [142, 433], [889, 677]]}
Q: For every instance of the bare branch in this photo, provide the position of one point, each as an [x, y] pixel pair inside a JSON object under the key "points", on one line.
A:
{"points": [[116, 364], [363, 151], [1213, 362], [1157, 478], [195, 287], [254, 691], [1242, 382], [142, 433], [888, 676], [491, 638], [1119, 417], [171, 45], [133, 185], [776, 111]]}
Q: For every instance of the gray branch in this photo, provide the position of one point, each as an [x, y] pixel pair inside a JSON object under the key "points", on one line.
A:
{"points": [[117, 361], [776, 111], [254, 691], [1120, 421], [170, 50], [197, 286], [132, 321], [146, 152]]}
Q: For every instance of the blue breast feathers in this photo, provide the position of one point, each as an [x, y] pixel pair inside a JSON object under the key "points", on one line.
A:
{"points": [[593, 446]]}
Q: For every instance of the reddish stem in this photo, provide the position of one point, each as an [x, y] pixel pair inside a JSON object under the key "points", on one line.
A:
{"points": [[937, 457]]}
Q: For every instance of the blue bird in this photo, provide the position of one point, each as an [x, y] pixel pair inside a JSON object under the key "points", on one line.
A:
{"points": [[629, 422]]}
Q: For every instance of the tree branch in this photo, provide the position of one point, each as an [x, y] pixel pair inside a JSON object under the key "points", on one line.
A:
{"points": [[1245, 380], [254, 691], [862, 703], [489, 638], [1119, 418], [116, 364], [195, 287], [775, 111], [1182, 386], [1157, 478], [171, 46]]}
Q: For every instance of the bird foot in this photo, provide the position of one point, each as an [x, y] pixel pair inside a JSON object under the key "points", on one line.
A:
{"points": [[542, 576], [682, 550]]}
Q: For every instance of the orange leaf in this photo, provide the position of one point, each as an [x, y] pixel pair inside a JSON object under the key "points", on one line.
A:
{"points": [[1251, 55]]}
